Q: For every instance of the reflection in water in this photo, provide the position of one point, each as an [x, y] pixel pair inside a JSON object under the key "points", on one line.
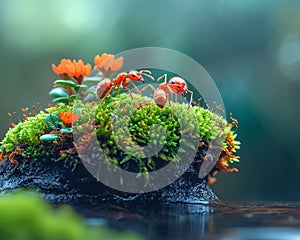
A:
{"points": [[174, 221], [263, 233], [220, 220]]}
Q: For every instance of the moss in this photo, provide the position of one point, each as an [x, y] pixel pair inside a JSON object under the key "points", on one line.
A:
{"points": [[25, 132], [120, 120], [143, 114], [27, 216]]}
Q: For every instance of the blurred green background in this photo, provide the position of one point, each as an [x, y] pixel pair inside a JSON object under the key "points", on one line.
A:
{"points": [[251, 48]]}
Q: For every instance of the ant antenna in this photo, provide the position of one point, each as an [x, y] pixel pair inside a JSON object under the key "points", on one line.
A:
{"points": [[146, 73]]}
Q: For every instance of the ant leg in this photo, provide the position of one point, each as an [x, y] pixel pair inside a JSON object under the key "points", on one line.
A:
{"points": [[163, 76], [134, 86], [148, 86], [169, 94], [125, 88], [191, 98], [170, 104], [108, 92]]}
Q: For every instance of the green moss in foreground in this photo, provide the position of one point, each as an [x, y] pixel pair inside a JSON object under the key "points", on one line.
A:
{"points": [[28, 217]]}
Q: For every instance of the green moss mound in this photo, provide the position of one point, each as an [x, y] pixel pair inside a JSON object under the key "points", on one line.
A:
{"points": [[122, 121], [28, 217]]}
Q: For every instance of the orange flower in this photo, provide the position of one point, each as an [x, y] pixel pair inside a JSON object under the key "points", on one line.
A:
{"points": [[68, 69], [68, 117], [107, 64]]}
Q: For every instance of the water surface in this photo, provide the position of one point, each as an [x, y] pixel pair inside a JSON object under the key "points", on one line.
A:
{"points": [[220, 220]]}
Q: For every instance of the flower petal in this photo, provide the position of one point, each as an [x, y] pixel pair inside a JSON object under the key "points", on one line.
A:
{"points": [[72, 69], [55, 69], [97, 60]]}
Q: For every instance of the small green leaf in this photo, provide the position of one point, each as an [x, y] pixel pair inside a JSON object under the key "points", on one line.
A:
{"points": [[66, 83], [95, 79], [66, 130], [74, 96], [61, 99], [52, 121], [91, 89], [48, 137], [90, 97], [77, 87], [59, 92]]}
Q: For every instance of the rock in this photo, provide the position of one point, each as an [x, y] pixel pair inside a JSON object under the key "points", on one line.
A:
{"points": [[61, 183]]}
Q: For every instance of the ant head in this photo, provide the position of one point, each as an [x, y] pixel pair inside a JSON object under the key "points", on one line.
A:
{"points": [[178, 85], [135, 76], [177, 81], [183, 93]]}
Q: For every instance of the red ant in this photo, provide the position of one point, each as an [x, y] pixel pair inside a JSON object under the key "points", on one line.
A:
{"points": [[175, 85], [105, 86]]}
